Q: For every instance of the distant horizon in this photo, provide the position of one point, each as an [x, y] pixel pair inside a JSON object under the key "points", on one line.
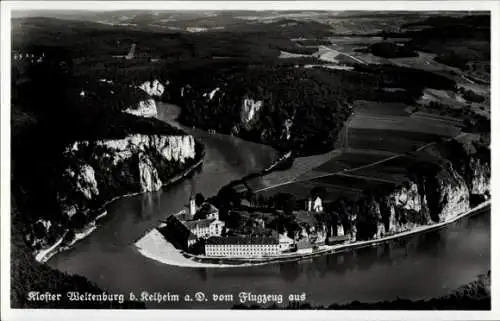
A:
{"points": [[23, 13]]}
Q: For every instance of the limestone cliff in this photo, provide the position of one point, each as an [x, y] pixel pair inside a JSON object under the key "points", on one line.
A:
{"points": [[436, 194], [287, 127], [147, 107], [138, 150], [149, 178], [447, 193], [153, 88], [249, 110], [480, 178], [98, 171]]}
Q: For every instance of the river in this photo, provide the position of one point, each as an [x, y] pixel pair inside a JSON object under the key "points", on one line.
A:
{"points": [[421, 266]]}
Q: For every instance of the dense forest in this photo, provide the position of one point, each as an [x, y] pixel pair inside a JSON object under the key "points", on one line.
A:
{"points": [[315, 101]]}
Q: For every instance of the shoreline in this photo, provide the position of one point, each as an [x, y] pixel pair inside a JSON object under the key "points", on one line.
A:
{"points": [[45, 255], [172, 256]]}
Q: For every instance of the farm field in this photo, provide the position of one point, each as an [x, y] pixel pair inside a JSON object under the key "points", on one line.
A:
{"points": [[351, 159], [329, 54], [441, 119], [389, 140], [301, 190], [366, 107], [300, 166], [286, 55], [350, 44], [352, 182], [330, 66], [395, 175], [424, 61], [403, 124]]}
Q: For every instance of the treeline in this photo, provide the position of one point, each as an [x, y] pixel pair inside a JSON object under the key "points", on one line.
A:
{"points": [[457, 41], [391, 50]]}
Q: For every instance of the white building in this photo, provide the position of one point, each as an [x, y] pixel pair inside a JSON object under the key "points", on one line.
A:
{"points": [[340, 230], [206, 227], [192, 206], [213, 212], [285, 242], [316, 206], [237, 246]]}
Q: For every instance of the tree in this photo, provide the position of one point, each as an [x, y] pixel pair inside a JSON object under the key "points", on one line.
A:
{"points": [[199, 199], [285, 202], [318, 191]]}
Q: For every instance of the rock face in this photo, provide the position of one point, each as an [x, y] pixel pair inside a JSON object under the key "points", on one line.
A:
{"points": [[448, 195], [98, 171], [172, 148], [150, 180], [287, 126], [427, 197], [443, 197], [154, 88], [481, 174], [249, 110], [145, 108], [211, 94]]}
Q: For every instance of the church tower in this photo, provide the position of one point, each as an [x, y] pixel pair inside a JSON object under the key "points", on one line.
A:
{"points": [[309, 204], [192, 206]]}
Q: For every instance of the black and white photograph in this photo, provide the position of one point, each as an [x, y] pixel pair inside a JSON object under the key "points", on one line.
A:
{"points": [[289, 157]]}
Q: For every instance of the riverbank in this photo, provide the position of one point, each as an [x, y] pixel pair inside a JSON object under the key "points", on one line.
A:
{"points": [[45, 254], [153, 245]]}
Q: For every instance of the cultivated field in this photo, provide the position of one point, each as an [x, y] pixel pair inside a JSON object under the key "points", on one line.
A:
{"points": [[365, 107], [379, 143], [300, 166]]}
